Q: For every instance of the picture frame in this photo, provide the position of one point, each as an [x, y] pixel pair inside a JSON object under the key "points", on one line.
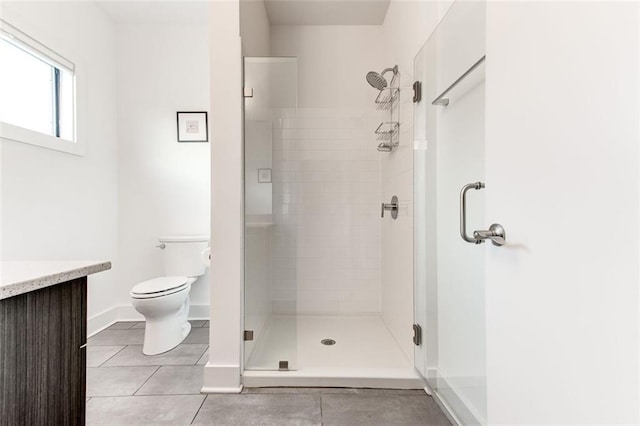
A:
{"points": [[264, 175], [192, 126]]}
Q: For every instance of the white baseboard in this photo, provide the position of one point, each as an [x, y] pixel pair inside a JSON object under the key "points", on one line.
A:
{"points": [[448, 412], [99, 322], [221, 390]]}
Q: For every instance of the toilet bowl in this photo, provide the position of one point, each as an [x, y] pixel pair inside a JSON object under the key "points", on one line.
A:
{"points": [[164, 301]]}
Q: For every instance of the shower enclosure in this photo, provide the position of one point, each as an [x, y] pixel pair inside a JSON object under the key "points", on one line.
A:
{"points": [[449, 265], [270, 222], [313, 240]]}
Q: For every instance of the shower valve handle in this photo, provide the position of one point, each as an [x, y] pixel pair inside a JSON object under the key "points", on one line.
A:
{"points": [[393, 207]]}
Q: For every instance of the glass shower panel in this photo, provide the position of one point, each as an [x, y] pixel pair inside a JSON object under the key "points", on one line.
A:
{"points": [[270, 296], [448, 154], [425, 212]]}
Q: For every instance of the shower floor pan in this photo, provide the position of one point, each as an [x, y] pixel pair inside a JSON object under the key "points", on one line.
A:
{"points": [[365, 354]]}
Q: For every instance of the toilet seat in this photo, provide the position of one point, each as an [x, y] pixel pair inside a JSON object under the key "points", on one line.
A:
{"points": [[158, 287]]}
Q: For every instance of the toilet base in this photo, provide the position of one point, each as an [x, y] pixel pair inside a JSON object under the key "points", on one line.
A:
{"points": [[160, 337], [164, 332]]}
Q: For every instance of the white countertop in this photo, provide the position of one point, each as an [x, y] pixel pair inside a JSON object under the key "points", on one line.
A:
{"points": [[18, 277]]}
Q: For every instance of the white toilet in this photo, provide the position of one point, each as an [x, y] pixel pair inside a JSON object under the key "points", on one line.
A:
{"points": [[164, 301]]}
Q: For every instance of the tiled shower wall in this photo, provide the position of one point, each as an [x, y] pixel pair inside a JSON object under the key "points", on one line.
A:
{"points": [[326, 242]]}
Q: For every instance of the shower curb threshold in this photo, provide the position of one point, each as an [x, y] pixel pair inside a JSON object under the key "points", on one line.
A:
{"points": [[393, 379]]}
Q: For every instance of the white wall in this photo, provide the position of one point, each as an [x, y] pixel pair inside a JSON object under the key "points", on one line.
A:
{"points": [[164, 185], [327, 174], [222, 372], [562, 168], [326, 242], [332, 63], [406, 28], [57, 205], [229, 34], [254, 28]]}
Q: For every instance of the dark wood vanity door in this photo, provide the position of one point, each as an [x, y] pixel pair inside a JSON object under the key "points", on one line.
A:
{"points": [[42, 358]]}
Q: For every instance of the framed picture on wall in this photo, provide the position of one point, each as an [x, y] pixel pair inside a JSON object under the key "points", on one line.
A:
{"points": [[192, 126]]}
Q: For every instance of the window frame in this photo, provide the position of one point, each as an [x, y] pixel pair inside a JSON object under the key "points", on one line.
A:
{"points": [[58, 63]]}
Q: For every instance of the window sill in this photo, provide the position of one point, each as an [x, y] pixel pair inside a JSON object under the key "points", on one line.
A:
{"points": [[20, 134]]}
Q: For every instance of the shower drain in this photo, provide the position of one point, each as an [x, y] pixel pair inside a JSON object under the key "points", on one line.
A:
{"points": [[328, 342]]}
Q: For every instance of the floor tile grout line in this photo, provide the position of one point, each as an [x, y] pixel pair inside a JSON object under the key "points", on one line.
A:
{"points": [[130, 366], [107, 367], [107, 360], [198, 410], [142, 344], [167, 394], [145, 382], [203, 401], [202, 354], [148, 365], [120, 322], [118, 396], [198, 356]]}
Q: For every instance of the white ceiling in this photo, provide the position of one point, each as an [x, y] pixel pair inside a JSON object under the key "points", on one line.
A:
{"points": [[157, 12], [326, 12], [280, 12]]}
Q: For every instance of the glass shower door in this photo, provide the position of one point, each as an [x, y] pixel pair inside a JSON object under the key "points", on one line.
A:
{"points": [[270, 296], [449, 154]]}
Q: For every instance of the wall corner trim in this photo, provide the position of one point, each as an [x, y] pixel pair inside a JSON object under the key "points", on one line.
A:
{"points": [[222, 379]]}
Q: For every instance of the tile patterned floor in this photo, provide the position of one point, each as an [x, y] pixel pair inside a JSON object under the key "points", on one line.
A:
{"points": [[125, 387]]}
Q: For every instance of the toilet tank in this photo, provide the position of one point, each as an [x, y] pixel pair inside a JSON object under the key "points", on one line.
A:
{"points": [[182, 256]]}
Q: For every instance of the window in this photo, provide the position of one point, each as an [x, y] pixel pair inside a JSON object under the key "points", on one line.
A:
{"points": [[37, 87]]}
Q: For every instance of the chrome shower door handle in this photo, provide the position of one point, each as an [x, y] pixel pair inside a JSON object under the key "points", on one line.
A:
{"points": [[463, 211], [495, 233]]}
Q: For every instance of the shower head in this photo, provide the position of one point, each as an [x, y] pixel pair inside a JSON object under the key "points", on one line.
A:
{"points": [[377, 80]]}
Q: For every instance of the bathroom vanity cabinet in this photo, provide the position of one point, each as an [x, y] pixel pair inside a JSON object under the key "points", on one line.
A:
{"points": [[43, 334]]}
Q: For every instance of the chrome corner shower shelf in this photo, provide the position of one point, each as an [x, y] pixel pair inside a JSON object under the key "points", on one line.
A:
{"points": [[385, 147], [387, 98], [387, 132]]}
